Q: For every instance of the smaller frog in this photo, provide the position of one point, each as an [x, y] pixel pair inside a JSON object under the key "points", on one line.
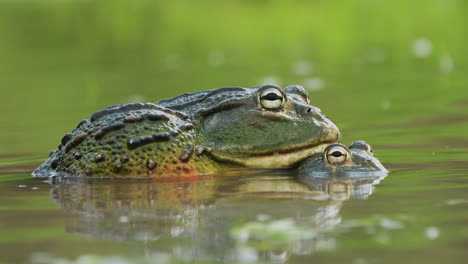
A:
{"points": [[356, 161]]}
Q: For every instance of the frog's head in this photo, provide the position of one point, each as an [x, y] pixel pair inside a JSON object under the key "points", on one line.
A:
{"points": [[266, 127], [357, 160]]}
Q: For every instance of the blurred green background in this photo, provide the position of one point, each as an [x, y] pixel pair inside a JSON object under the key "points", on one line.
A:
{"points": [[366, 63]]}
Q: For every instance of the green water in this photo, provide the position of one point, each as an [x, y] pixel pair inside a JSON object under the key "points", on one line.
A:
{"points": [[390, 72]]}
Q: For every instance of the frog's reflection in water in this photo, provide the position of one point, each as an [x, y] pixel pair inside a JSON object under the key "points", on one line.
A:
{"points": [[248, 218]]}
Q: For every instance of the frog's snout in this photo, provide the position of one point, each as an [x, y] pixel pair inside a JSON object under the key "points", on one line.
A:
{"points": [[308, 110]]}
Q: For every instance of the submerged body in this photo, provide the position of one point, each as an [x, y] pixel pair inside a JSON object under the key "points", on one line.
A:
{"points": [[337, 160], [193, 134]]}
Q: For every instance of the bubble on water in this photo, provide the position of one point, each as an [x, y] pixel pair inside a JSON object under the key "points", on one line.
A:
{"points": [[34, 188], [456, 201], [136, 98], [431, 232], [385, 105], [176, 231], [242, 235], [278, 256], [145, 236], [41, 257], [281, 225], [270, 80], [303, 68], [422, 47], [112, 260], [390, 224], [326, 245], [446, 64], [45, 258], [246, 255], [84, 259], [382, 238], [216, 58], [263, 217], [314, 84], [22, 186], [123, 219], [359, 261], [160, 258]]}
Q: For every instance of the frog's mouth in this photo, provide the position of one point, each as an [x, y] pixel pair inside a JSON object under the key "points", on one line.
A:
{"points": [[273, 160]]}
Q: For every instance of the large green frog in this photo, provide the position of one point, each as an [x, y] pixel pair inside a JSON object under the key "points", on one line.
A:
{"points": [[337, 160], [194, 134]]}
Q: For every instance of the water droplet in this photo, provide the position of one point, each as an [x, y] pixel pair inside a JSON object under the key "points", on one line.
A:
{"points": [[34, 188], [422, 47], [303, 68], [314, 84], [22, 186], [432, 232]]}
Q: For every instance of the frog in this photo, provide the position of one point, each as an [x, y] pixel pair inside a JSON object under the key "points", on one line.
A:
{"points": [[337, 160], [195, 134]]}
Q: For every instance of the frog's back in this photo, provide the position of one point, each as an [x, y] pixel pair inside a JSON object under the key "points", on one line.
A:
{"points": [[125, 140], [192, 103]]}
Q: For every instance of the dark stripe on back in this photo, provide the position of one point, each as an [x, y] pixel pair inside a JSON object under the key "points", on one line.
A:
{"points": [[180, 102], [135, 106]]}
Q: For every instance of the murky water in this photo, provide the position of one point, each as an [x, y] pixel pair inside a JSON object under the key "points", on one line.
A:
{"points": [[417, 213], [393, 75]]}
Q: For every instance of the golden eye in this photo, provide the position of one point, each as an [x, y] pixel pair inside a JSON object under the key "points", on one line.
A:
{"points": [[271, 98], [337, 154]]}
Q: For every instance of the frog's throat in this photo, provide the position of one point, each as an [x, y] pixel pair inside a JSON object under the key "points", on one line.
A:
{"points": [[274, 160]]}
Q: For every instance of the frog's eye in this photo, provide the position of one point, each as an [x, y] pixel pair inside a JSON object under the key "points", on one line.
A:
{"points": [[271, 98], [362, 145], [337, 155]]}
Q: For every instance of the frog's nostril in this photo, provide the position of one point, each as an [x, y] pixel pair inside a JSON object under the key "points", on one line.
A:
{"points": [[309, 110]]}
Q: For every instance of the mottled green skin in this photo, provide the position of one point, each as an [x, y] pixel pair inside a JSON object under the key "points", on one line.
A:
{"points": [[360, 162], [190, 134]]}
